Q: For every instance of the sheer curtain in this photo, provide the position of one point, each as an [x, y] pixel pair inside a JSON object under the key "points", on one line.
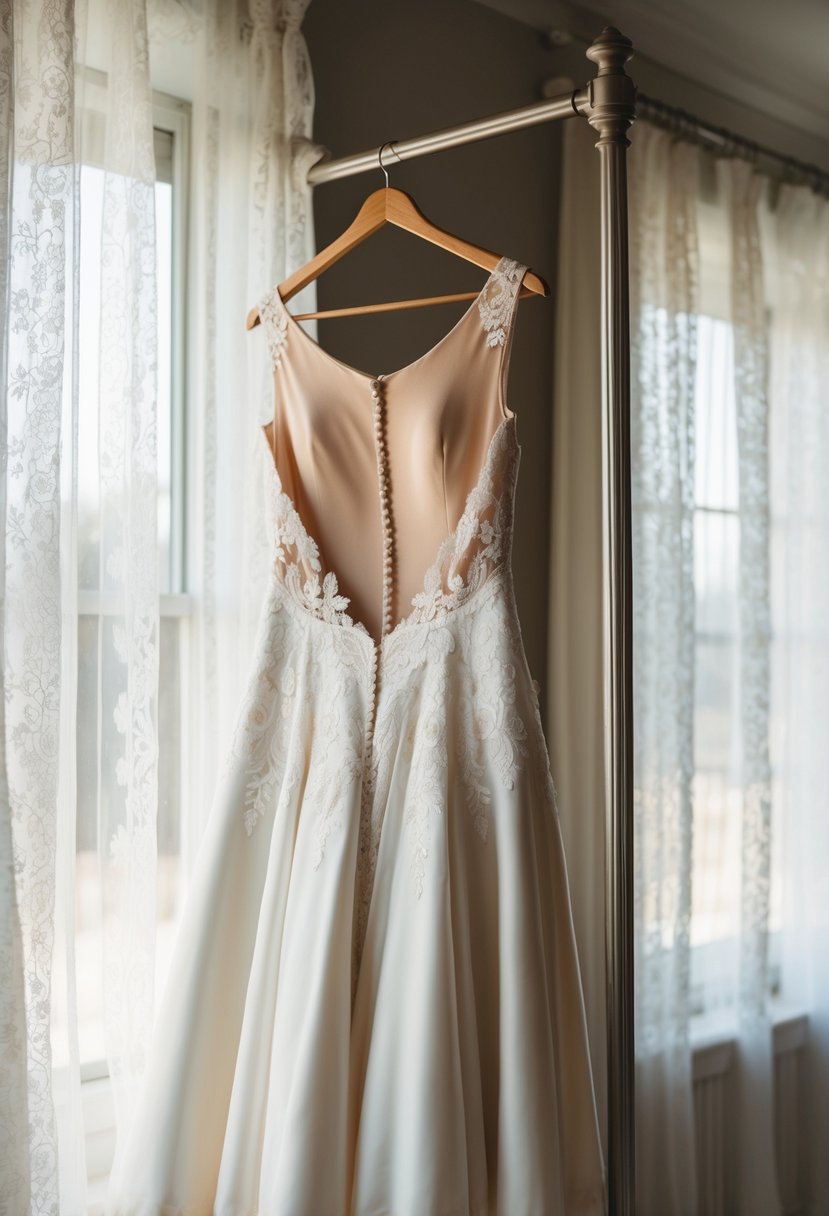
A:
{"points": [[40, 185], [56, 115], [664, 281], [798, 292], [250, 224], [729, 336], [80, 503]]}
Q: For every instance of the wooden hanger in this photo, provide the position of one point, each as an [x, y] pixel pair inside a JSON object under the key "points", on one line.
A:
{"points": [[389, 205]]}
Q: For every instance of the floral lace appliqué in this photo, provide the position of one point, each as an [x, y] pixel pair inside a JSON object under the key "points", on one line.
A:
{"points": [[481, 540], [275, 322], [496, 301], [296, 560], [453, 687], [494, 732], [301, 723], [259, 736]]}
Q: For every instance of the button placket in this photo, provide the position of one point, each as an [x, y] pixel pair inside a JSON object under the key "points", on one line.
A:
{"points": [[377, 388], [384, 484], [369, 829]]}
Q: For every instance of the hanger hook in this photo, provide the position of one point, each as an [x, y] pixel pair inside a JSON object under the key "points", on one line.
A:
{"points": [[382, 166]]}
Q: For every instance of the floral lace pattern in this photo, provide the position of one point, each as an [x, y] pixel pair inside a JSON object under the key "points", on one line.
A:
{"points": [[275, 324], [36, 101], [498, 298], [259, 736], [50, 555], [479, 543], [453, 716], [481, 540], [494, 727], [292, 675], [296, 556]]}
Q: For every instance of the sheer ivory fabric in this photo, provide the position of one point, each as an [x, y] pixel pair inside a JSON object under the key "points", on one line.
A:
{"points": [[55, 116], [249, 216], [796, 243], [375, 1002], [664, 301], [706, 240]]}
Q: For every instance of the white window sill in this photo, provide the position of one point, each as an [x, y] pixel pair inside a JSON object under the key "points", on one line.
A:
{"points": [[713, 1037]]}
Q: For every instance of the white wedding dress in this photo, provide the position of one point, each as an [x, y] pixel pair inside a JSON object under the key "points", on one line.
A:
{"points": [[374, 1005]]}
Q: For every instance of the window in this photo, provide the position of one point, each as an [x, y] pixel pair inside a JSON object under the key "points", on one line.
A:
{"points": [[718, 787], [171, 135]]}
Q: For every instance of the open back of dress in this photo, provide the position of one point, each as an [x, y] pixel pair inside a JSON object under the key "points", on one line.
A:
{"points": [[415, 440]]}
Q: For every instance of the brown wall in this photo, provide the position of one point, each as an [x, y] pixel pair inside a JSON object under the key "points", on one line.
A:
{"points": [[390, 71]]}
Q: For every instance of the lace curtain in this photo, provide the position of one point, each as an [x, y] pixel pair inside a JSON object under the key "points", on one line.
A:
{"points": [[797, 262], [663, 300], [251, 224], [729, 334], [77, 87], [39, 185], [56, 114]]}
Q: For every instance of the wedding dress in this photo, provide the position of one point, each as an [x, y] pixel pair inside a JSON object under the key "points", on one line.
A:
{"points": [[374, 1005]]}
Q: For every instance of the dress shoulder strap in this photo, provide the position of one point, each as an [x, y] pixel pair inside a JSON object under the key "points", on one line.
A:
{"points": [[497, 306], [497, 301]]}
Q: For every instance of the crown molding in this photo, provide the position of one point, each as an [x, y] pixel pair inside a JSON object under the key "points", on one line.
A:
{"points": [[742, 51]]}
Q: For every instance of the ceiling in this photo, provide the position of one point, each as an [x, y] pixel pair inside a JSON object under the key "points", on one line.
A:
{"points": [[762, 54]]}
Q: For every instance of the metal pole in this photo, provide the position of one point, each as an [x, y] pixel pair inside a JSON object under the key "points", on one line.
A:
{"points": [[564, 106], [610, 108]]}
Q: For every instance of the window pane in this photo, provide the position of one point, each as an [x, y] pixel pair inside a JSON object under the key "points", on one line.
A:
{"points": [[164, 271], [716, 567], [716, 483], [92, 181], [718, 704], [716, 726], [88, 888]]}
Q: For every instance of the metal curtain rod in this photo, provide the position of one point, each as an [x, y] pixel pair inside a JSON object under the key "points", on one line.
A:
{"points": [[568, 105], [608, 102], [690, 126]]}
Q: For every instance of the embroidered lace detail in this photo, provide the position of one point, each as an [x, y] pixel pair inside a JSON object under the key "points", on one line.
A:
{"points": [[417, 747], [297, 561], [481, 541], [293, 686], [340, 767], [258, 739], [456, 685], [544, 766], [497, 299], [493, 727], [276, 325]]}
